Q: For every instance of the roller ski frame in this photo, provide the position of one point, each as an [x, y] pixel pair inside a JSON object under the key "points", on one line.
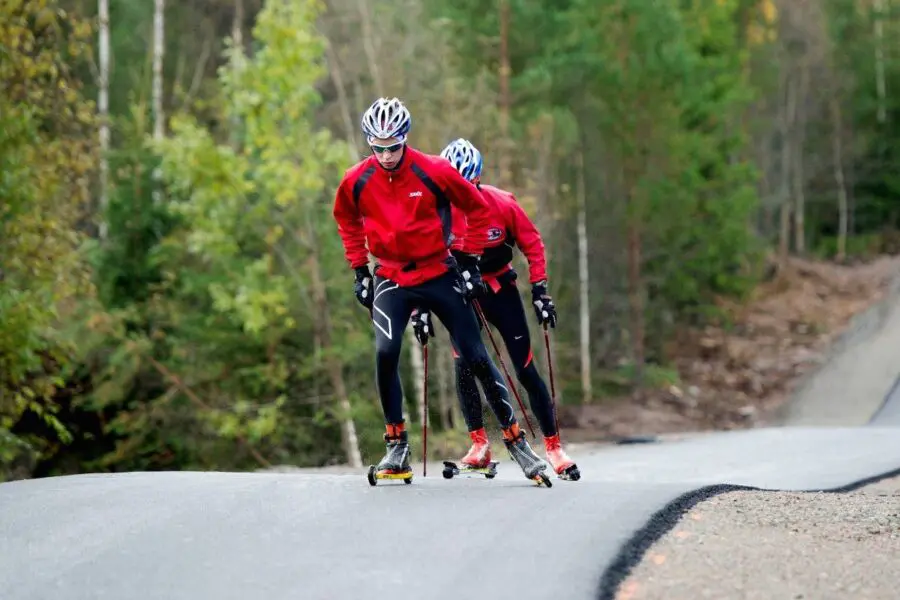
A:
{"points": [[537, 474], [570, 473], [532, 465], [451, 469], [540, 478], [374, 475], [395, 464]]}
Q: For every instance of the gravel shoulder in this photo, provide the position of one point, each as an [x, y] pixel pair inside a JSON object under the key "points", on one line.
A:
{"points": [[764, 545]]}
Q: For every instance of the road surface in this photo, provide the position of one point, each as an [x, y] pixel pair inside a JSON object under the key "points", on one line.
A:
{"points": [[276, 536]]}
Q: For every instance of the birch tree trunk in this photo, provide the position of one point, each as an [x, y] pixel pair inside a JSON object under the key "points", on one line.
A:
{"points": [[334, 366], [237, 38], [788, 114], [584, 288], [369, 46], [543, 221], [797, 176], [418, 368], [505, 102], [443, 362], [635, 290], [157, 93], [158, 53], [880, 85], [103, 107], [237, 32], [838, 160], [337, 77]]}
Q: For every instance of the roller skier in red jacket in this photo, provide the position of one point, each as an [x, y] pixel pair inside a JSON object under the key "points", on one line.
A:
{"points": [[396, 205], [509, 227]]}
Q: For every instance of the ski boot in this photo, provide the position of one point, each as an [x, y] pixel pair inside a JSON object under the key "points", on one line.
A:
{"points": [[564, 466], [476, 460], [395, 464], [521, 452]]}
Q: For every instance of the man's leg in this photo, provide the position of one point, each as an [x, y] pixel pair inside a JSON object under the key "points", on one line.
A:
{"points": [[460, 321], [506, 313], [468, 393], [479, 454], [391, 310]]}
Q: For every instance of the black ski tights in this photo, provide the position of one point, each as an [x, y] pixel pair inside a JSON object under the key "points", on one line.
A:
{"points": [[504, 311], [391, 310]]}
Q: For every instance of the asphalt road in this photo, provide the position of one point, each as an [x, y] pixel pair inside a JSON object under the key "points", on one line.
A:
{"points": [[273, 536], [848, 387], [888, 414]]}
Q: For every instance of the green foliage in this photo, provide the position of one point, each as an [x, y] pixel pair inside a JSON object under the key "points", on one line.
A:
{"points": [[707, 246], [871, 152], [125, 266], [667, 97], [215, 334], [46, 157]]}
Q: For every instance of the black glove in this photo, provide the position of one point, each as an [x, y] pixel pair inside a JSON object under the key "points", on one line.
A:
{"points": [[421, 323], [364, 287], [543, 304], [471, 286]]}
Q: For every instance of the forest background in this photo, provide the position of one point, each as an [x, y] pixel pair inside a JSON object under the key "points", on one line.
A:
{"points": [[173, 292]]}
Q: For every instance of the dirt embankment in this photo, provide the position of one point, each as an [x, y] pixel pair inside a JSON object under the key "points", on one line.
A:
{"points": [[741, 376]]}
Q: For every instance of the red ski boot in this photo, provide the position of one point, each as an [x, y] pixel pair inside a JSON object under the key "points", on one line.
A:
{"points": [[564, 466], [479, 455], [476, 461]]}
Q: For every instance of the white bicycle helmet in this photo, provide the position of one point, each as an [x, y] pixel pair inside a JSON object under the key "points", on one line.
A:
{"points": [[386, 118], [464, 157]]}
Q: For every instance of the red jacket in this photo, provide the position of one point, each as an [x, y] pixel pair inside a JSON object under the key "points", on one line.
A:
{"points": [[404, 216], [509, 227]]}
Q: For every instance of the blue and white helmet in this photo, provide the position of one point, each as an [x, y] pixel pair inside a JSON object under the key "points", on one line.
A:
{"points": [[465, 157], [386, 118]]}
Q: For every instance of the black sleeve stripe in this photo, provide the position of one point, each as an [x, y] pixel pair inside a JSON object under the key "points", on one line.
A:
{"points": [[434, 188], [361, 183]]}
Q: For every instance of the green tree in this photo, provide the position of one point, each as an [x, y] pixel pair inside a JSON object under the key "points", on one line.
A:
{"points": [[235, 337], [46, 158]]}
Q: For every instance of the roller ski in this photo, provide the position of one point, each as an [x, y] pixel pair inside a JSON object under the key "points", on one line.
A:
{"points": [[395, 464], [477, 460], [519, 450], [560, 462], [451, 470]]}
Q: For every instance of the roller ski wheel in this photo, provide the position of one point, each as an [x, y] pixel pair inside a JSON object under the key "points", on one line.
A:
{"points": [[570, 474], [374, 475], [451, 469], [542, 479]]}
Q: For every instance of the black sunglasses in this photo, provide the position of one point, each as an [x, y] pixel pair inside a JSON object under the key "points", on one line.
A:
{"points": [[392, 148]]}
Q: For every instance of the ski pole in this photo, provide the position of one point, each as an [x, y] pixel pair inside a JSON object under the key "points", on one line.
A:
{"points": [[552, 384], [425, 413], [512, 386]]}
